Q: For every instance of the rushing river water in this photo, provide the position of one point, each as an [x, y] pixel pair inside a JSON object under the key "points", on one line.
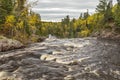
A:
{"points": [[63, 59]]}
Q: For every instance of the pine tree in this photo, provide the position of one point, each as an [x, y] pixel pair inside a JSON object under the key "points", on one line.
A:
{"points": [[86, 14], [117, 13], [102, 6], [108, 15], [105, 8], [81, 16]]}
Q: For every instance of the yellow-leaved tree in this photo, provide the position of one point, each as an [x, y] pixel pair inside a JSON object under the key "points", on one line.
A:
{"points": [[9, 26]]}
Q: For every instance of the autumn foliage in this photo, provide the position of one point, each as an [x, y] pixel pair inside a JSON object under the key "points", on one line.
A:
{"points": [[19, 22]]}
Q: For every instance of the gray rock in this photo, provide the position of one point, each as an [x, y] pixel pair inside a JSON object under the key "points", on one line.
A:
{"points": [[5, 74], [48, 57], [9, 44], [69, 77]]}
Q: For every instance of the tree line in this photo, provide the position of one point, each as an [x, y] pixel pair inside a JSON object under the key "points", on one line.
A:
{"points": [[107, 16], [19, 22]]}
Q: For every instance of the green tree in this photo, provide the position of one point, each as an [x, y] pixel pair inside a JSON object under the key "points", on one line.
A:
{"points": [[86, 14], [102, 6], [6, 7], [117, 13], [105, 8], [66, 25], [108, 15]]}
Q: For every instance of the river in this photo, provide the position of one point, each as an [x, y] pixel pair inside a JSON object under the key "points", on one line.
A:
{"points": [[63, 59]]}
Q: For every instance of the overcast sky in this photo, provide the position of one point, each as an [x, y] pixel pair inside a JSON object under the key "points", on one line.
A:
{"points": [[55, 10]]}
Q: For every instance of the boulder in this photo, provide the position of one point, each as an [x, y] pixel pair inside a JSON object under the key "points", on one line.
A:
{"points": [[4, 75], [48, 57], [9, 44]]}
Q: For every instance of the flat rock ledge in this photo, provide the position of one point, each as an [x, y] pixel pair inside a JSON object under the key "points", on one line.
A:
{"points": [[9, 44]]}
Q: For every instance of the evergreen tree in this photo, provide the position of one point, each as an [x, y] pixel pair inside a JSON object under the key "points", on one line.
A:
{"points": [[102, 6], [81, 16], [6, 7], [108, 15], [117, 13], [118, 1], [105, 8], [86, 14]]}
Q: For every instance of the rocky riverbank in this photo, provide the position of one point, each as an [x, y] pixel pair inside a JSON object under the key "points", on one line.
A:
{"points": [[9, 44], [63, 59]]}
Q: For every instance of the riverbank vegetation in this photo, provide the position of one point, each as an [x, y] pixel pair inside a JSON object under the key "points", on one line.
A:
{"points": [[17, 21]]}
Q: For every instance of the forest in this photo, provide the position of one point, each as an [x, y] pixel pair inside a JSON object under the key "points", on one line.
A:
{"points": [[19, 22]]}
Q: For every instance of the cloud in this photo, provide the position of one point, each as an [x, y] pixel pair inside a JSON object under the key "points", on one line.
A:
{"points": [[55, 10]]}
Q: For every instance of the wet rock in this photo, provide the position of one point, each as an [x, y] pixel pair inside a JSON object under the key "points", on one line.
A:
{"points": [[37, 71], [69, 77], [48, 57], [44, 56], [5, 75]]}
